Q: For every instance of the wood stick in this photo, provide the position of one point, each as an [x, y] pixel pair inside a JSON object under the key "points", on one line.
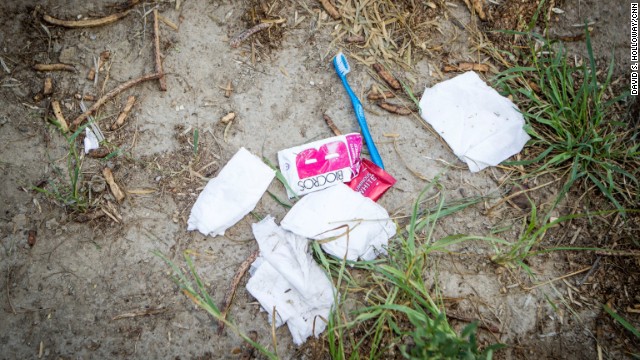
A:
{"points": [[228, 297], [115, 189], [131, 100], [98, 153], [393, 108], [47, 89], [85, 97], [331, 125], [240, 38], [376, 95], [54, 67], [57, 111], [168, 22], [228, 118], [386, 76], [466, 66], [86, 23], [108, 96], [330, 9], [476, 5], [355, 39], [104, 56], [156, 43], [151, 311]]}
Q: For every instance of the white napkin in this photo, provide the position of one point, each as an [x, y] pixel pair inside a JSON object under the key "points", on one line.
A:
{"points": [[231, 195], [323, 214], [286, 277], [482, 127]]}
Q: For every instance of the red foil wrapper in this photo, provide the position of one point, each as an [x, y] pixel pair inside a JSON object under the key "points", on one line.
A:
{"points": [[371, 181]]}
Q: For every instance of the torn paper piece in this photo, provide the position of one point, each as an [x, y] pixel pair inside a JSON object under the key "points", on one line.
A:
{"points": [[329, 213], [286, 277], [231, 195], [482, 127], [91, 141]]}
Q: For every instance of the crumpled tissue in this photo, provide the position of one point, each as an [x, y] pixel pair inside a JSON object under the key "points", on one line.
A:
{"points": [[286, 277], [231, 195], [330, 212], [482, 127]]}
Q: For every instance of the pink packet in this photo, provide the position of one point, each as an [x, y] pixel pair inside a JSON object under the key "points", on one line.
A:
{"points": [[320, 164]]}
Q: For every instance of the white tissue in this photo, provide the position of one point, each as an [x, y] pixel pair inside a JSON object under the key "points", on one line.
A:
{"points": [[91, 141], [231, 195], [286, 277], [323, 214], [482, 127]]}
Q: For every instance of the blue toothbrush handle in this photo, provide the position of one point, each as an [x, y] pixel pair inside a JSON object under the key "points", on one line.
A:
{"points": [[359, 110]]}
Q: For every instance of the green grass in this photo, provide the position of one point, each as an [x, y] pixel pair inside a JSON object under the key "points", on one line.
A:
{"points": [[199, 295], [67, 189], [399, 304], [622, 321], [571, 115]]}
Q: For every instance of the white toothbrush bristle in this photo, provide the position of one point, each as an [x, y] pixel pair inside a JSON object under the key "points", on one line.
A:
{"points": [[341, 64]]}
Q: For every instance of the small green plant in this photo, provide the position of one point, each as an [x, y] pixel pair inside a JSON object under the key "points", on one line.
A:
{"points": [[573, 121], [399, 304], [68, 191], [199, 295]]}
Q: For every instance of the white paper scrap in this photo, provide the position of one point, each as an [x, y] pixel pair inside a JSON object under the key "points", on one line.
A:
{"points": [[482, 127], [329, 213], [286, 277], [231, 195], [91, 141]]}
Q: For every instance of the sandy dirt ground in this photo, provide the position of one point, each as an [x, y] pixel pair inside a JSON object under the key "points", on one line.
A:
{"points": [[94, 289]]}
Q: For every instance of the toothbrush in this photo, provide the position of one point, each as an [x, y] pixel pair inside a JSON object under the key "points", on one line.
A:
{"points": [[342, 68]]}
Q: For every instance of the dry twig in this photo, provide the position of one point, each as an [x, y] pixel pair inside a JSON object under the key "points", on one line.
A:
{"points": [[330, 9], [228, 297], [331, 125], [86, 23], [98, 153], [156, 43], [386, 76], [131, 100], [150, 311], [111, 94], [377, 95], [228, 118], [476, 5], [57, 111], [240, 38], [47, 89], [115, 189], [466, 66], [393, 108], [54, 67], [104, 56], [168, 22], [85, 97]]}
